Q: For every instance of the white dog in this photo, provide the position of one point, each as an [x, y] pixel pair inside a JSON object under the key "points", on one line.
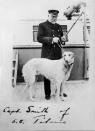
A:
{"points": [[57, 71]]}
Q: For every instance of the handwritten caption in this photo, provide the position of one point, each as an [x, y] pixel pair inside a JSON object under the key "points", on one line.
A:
{"points": [[37, 114]]}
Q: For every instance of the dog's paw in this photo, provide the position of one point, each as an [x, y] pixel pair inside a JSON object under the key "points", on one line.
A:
{"points": [[61, 98], [32, 99], [57, 98]]}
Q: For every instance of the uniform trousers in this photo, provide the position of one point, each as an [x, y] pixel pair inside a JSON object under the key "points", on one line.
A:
{"points": [[47, 87]]}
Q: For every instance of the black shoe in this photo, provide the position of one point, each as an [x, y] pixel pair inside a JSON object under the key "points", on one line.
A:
{"points": [[65, 95], [47, 97]]}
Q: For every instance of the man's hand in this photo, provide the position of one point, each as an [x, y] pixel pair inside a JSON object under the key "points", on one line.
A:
{"points": [[64, 38], [55, 40]]}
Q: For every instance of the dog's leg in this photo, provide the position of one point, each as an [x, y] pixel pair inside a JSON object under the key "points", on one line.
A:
{"points": [[31, 88], [53, 88], [31, 92], [58, 90], [61, 90], [62, 94]]}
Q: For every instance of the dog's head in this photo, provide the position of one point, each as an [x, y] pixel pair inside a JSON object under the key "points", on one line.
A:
{"points": [[68, 57]]}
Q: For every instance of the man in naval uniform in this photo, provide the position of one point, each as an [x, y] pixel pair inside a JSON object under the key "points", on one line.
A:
{"points": [[50, 34]]}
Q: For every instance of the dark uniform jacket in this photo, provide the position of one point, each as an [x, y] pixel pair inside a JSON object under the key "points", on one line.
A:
{"points": [[46, 32]]}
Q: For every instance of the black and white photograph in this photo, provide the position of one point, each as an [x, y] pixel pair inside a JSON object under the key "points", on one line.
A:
{"points": [[47, 62]]}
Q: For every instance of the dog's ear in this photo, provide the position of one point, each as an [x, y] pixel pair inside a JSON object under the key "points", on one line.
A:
{"points": [[66, 65]]}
